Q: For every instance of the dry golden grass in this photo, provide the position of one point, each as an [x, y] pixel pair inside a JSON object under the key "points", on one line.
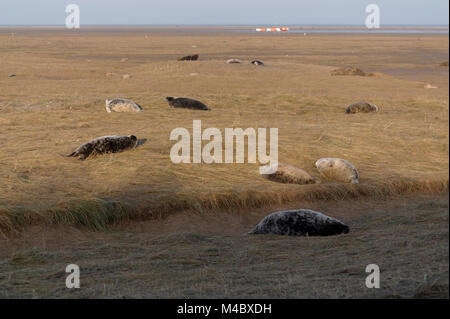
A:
{"points": [[56, 102]]}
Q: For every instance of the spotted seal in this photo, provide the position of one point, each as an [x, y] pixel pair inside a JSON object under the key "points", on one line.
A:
{"points": [[300, 222], [361, 107], [121, 105], [105, 145]]}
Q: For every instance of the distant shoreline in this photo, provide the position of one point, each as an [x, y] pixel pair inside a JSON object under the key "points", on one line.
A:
{"points": [[333, 29], [241, 25]]}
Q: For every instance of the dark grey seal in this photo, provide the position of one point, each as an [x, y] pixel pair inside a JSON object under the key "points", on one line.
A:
{"points": [[302, 222], [188, 58], [257, 62], [361, 107], [186, 103], [105, 145]]}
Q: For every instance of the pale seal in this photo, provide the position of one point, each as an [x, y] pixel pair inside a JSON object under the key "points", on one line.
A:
{"points": [[289, 174], [361, 107], [233, 61], [338, 169], [188, 58], [257, 62], [301, 222], [121, 105], [105, 145], [186, 103]]}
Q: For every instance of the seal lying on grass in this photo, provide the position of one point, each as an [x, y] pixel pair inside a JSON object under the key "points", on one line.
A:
{"points": [[186, 103], [350, 70], [121, 105], [361, 107], [302, 222], [188, 58], [289, 174], [257, 62], [105, 145], [338, 169]]}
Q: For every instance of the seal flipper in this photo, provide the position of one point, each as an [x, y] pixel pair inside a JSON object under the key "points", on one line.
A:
{"points": [[73, 154]]}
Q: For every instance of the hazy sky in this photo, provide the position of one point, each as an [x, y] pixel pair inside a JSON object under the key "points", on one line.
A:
{"points": [[52, 12]]}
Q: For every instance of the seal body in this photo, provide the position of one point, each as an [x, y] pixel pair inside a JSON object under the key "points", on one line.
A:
{"points": [[121, 105], [350, 70], [361, 107], [338, 169], [257, 62], [289, 174], [186, 103], [233, 61], [302, 222], [105, 145], [189, 58]]}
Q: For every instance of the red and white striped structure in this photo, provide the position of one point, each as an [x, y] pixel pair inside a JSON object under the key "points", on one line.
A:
{"points": [[274, 29]]}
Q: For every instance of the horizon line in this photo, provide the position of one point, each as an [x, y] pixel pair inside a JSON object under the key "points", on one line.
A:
{"points": [[226, 25]]}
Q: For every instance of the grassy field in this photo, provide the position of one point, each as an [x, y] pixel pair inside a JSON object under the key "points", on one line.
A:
{"points": [[56, 102], [208, 255]]}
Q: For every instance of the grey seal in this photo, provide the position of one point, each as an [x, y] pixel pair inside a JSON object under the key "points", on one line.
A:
{"points": [[289, 174], [338, 169], [121, 105], [361, 107], [186, 103], [188, 58], [257, 62], [105, 145], [350, 70], [301, 222]]}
